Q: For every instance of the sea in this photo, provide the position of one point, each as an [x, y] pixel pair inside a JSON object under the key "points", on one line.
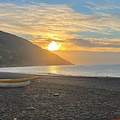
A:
{"points": [[68, 70]]}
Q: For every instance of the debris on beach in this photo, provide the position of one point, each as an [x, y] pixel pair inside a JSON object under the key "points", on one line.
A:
{"points": [[56, 94]]}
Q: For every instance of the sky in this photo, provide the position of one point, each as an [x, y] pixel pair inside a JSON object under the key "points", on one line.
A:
{"points": [[87, 31]]}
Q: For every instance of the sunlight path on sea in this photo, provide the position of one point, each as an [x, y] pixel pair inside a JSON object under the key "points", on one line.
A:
{"points": [[68, 70]]}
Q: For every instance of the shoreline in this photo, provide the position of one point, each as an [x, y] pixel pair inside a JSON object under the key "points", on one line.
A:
{"points": [[107, 71], [107, 83], [59, 75], [61, 98]]}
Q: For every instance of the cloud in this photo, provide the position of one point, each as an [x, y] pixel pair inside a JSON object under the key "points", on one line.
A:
{"points": [[44, 18], [104, 9], [57, 22], [96, 42]]}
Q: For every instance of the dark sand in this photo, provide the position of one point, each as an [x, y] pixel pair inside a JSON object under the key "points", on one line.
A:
{"points": [[61, 98]]}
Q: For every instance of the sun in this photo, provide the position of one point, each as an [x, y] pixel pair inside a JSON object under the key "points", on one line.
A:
{"points": [[53, 46]]}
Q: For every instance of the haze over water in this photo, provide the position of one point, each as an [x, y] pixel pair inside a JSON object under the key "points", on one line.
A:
{"points": [[68, 70]]}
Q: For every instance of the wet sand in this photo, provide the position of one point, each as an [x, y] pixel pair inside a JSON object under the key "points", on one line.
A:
{"points": [[61, 98]]}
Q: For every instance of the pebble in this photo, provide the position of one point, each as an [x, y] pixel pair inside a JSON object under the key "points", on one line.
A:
{"points": [[31, 108], [60, 109], [23, 111], [56, 94], [35, 96], [15, 118]]}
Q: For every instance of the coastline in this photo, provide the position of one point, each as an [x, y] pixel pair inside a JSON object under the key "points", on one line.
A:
{"points": [[62, 98], [69, 70]]}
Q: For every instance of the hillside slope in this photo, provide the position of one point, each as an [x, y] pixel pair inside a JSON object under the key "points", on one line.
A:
{"points": [[16, 51]]}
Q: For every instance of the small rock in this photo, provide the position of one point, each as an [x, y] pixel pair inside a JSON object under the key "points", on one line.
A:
{"points": [[56, 94], [31, 108], [15, 118], [60, 108], [35, 96], [23, 111]]}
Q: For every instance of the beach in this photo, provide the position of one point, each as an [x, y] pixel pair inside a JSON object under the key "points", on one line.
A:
{"points": [[61, 98]]}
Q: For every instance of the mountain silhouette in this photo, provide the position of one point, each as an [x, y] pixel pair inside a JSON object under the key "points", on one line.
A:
{"points": [[16, 51]]}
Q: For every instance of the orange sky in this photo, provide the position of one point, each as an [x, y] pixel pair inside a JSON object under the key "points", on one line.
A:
{"points": [[94, 28]]}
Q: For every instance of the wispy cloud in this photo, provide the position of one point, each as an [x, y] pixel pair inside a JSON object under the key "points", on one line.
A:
{"points": [[97, 42], [106, 8], [58, 22]]}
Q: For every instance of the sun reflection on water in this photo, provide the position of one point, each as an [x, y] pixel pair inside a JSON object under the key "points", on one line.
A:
{"points": [[53, 69]]}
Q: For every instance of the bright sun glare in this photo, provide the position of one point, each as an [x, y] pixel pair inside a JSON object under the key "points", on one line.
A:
{"points": [[53, 46]]}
